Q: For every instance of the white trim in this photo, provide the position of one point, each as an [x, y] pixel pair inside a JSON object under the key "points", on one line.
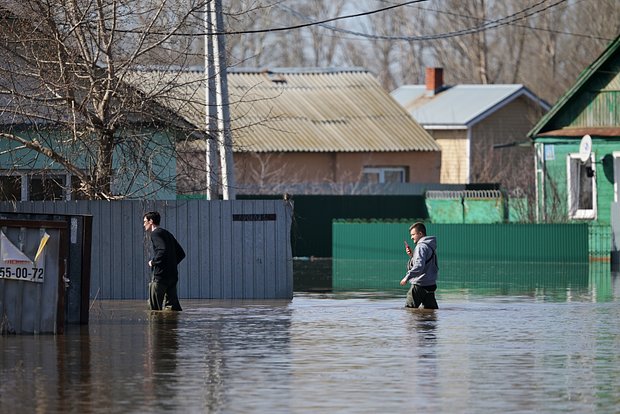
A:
{"points": [[468, 158], [380, 171], [573, 211], [448, 127], [25, 187], [523, 91], [616, 158], [539, 180], [68, 187]]}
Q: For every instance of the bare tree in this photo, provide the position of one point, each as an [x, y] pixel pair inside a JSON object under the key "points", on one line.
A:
{"points": [[64, 92]]}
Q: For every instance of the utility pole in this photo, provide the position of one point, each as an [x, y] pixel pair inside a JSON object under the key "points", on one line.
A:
{"points": [[217, 111]]}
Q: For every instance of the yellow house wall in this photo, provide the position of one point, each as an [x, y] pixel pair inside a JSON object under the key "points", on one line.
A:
{"points": [[454, 160]]}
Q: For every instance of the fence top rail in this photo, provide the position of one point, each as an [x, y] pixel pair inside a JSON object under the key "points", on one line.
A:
{"points": [[448, 195]]}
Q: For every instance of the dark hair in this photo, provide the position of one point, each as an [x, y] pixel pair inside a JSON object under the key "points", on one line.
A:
{"points": [[153, 215], [419, 226]]}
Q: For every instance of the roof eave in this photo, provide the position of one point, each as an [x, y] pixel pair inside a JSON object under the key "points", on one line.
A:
{"points": [[580, 132]]}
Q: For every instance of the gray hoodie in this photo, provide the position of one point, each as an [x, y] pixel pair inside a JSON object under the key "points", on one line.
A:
{"points": [[422, 268]]}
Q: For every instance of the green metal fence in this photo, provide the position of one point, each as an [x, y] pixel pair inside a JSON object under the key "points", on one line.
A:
{"points": [[371, 255], [466, 206]]}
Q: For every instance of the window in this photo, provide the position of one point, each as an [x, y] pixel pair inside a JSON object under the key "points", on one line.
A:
{"points": [[581, 187], [38, 187], [11, 187], [373, 175], [46, 187]]}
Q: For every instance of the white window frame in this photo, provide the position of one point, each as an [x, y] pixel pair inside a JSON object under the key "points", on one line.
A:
{"points": [[616, 158], [573, 168], [382, 170]]}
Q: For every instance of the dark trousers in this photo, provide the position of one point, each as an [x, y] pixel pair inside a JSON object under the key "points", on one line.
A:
{"points": [[163, 295], [422, 295]]}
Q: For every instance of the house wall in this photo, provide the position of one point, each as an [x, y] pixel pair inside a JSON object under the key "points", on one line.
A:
{"points": [[145, 165], [511, 166], [454, 162], [509, 124], [552, 177], [273, 169], [423, 167]]}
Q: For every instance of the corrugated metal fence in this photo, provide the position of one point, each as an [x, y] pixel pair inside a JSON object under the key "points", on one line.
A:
{"points": [[236, 249], [466, 206], [371, 255]]}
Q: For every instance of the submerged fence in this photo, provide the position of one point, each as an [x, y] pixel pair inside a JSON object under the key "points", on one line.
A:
{"points": [[371, 255], [236, 249]]}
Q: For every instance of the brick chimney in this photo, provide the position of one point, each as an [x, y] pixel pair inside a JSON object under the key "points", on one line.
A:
{"points": [[434, 80]]}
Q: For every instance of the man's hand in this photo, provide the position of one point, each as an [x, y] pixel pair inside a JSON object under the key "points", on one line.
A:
{"points": [[404, 281]]}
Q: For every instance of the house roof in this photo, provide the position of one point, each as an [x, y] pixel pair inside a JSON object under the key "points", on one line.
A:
{"points": [[544, 128], [297, 110], [459, 105]]}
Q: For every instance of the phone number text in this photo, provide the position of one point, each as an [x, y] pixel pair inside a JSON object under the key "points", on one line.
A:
{"points": [[32, 274]]}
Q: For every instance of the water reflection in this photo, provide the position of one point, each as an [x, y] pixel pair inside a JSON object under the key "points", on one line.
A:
{"points": [[160, 360], [424, 360], [555, 281], [362, 352]]}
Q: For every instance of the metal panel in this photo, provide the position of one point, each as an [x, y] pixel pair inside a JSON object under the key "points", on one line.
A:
{"points": [[468, 206], [28, 307], [225, 259], [371, 255]]}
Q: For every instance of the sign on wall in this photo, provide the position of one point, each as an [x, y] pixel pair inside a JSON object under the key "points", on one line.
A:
{"points": [[16, 265]]}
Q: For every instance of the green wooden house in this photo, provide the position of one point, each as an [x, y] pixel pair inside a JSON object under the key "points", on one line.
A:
{"points": [[577, 150]]}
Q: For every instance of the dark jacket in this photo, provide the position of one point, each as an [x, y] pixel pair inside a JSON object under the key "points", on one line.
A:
{"points": [[167, 254]]}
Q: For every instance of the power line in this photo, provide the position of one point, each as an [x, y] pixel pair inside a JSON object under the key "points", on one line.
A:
{"points": [[284, 28], [321, 22], [487, 25], [540, 29], [491, 24]]}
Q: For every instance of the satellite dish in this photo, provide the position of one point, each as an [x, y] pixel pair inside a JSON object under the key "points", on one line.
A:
{"points": [[585, 148]]}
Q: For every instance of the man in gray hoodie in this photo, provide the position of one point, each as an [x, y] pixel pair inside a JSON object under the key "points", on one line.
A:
{"points": [[422, 269]]}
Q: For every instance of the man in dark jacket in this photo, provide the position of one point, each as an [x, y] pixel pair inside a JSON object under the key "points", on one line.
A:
{"points": [[167, 254]]}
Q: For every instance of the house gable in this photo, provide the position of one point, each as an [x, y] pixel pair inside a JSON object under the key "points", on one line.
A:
{"points": [[591, 105]]}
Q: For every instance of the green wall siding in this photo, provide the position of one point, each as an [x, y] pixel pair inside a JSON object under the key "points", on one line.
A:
{"points": [[555, 179]]}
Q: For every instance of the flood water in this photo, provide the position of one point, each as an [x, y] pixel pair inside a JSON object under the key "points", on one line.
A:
{"points": [[549, 349]]}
